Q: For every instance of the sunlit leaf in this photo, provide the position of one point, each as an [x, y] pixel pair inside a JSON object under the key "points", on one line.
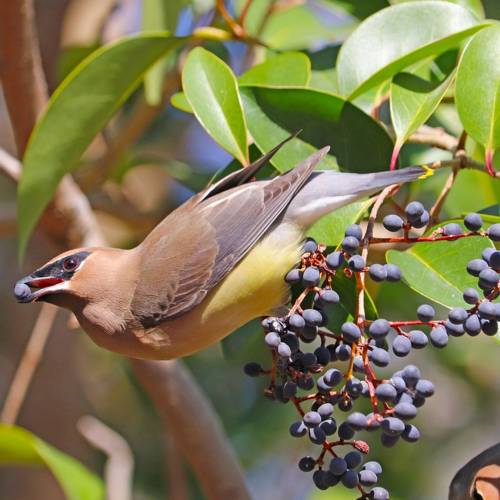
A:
{"points": [[437, 270], [330, 228], [18, 446], [358, 142], [158, 15], [478, 90], [212, 91], [285, 70], [398, 36], [78, 109], [413, 100], [179, 101]]}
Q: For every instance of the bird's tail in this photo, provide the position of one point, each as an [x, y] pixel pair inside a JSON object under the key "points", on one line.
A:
{"points": [[326, 191]]}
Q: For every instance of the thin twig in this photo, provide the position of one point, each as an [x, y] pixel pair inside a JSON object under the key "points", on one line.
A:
{"points": [[436, 137], [27, 366], [119, 468], [238, 30], [244, 12], [438, 205]]}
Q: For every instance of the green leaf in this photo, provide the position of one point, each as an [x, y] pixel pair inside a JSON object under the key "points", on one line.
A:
{"points": [[358, 142], [346, 288], [212, 91], [475, 6], [78, 109], [325, 80], [296, 28], [179, 101], [398, 36], [437, 270], [330, 228], [292, 69], [361, 8], [18, 446], [158, 15], [478, 90], [413, 100]]}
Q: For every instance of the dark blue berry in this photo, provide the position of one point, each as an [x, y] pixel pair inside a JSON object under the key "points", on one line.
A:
{"points": [[471, 296], [418, 339], [350, 332], [379, 328], [439, 337], [355, 231], [298, 429], [353, 459], [356, 263], [377, 272], [401, 346], [357, 421], [393, 272], [473, 222], [350, 244], [411, 433], [425, 312], [311, 277], [307, 464], [452, 229], [338, 466], [392, 426], [414, 210], [310, 246], [494, 232], [386, 392], [475, 266], [393, 223], [335, 260]]}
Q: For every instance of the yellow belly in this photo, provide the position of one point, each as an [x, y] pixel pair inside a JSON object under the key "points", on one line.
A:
{"points": [[254, 288]]}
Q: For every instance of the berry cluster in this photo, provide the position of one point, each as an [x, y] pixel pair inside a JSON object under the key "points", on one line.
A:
{"points": [[306, 376]]}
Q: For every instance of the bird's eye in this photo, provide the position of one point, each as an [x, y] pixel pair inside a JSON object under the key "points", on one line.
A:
{"points": [[70, 264]]}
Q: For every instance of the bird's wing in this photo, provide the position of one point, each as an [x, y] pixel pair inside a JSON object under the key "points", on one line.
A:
{"points": [[193, 249]]}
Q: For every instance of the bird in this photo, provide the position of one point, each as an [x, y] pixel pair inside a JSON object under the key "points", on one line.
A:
{"points": [[212, 265]]}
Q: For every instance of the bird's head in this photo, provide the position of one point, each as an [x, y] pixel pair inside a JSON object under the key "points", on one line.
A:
{"points": [[60, 279]]}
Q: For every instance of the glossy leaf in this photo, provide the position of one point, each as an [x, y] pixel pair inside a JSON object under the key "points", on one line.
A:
{"points": [[358, 142], [478, 90], [475, 6], [413, 100], [398, 36], [78, 109], [437, 270], [158, 15], [18, 446], [330, 228], [212, 91], [179, 101], [298, 27], [284, 70]]}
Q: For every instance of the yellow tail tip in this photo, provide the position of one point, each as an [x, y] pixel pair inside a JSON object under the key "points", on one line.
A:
{"points": [[428, 172]]}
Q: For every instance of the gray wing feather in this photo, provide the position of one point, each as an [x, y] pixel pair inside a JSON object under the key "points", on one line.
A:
{"points": [[193, 250]]}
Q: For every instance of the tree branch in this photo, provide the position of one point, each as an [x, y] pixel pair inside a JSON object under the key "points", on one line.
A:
{"points": [[176, 396], [27, 366], [435, 137], [119, 468]]}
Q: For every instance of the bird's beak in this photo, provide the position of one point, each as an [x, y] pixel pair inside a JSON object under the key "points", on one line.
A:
{"points": [[43, 285]]}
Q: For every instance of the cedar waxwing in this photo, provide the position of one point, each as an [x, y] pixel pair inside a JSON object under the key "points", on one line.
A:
{"points": [[213, 264]]}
